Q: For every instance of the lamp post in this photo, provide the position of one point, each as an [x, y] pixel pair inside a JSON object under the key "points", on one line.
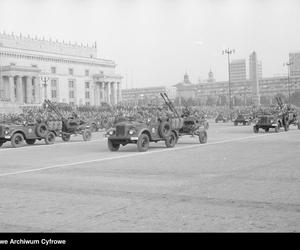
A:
{"points": [[288, 64], [45, 79], [229, 52]]}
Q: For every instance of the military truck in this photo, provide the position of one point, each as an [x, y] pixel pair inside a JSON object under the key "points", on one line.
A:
{"points": [[29, 133], [266, 121], [244, 119], [221, 117]]}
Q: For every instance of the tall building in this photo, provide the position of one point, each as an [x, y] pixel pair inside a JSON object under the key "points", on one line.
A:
{"points": [[294, 59], [237, 70], [254, 76], [33, 69]]}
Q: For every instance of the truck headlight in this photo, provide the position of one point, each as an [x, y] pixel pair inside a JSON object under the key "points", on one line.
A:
{"points": [[111, 132], [271, 121], [6, 132], [131, 131]]}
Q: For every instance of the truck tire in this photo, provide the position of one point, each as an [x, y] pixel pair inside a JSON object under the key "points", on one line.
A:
{"points": [[235, 123], [286, 127], [17, 140], [143, 143], [1, 143], [203, 137], [266, 129], [50, 138], [30, 141], [65, 137], [164, 129], [171, 140], [41, 130], [113, 146], [277, 129], [87, 135]]}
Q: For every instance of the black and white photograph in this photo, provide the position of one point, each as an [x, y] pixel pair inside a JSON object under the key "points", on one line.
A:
{"points": [[142, 116]]}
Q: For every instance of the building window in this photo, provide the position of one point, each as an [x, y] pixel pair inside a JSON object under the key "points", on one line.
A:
{"points": [[71, 94], [71, 84], [87, 95], [87, 85], [87, 72], [53, 70], [71, 71], [87, 103], [53, 94], [34, 65]]}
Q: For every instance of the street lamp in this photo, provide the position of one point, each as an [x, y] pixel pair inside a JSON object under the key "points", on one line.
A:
{"points": [[45, 79], [288, 64], [229, 52]]}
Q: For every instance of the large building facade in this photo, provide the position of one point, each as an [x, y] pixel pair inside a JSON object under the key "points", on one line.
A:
{"points": [[33, 69], [238, 70]]}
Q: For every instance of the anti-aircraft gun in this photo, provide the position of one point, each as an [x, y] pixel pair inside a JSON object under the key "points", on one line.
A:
{"points": [[187, 125], [71, 125]]}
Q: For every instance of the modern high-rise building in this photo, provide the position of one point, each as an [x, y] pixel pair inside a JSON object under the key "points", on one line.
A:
{"points": [[238, 70], [254, 76], [294, 59]]}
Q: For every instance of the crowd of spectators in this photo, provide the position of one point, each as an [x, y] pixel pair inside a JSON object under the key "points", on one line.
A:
{"points": [[109, 115]]}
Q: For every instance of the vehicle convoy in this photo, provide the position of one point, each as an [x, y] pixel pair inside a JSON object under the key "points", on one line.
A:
{"points": [[244, 119], [29, 133], [72, 125], [141, 133]]}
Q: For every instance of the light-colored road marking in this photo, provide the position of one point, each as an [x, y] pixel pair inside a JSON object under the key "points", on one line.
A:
{"points": [[51, 145], [135, 154]]}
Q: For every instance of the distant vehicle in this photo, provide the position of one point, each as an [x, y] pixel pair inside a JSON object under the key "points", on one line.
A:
{"points": [[221, 118], [29, 133], [244, 119], [270, 121]]}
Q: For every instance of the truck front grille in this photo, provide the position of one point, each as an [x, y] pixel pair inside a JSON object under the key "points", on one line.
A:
{"points": [[120, 131]]}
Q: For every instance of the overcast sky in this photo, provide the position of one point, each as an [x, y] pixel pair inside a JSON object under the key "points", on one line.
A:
{"points": [[154, 42]]}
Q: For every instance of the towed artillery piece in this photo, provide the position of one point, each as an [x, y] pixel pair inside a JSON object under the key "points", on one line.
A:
{"points": [[72, 125]]}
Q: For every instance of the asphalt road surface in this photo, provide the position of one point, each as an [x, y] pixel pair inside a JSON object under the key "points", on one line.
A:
{"points": [[239, 181]]}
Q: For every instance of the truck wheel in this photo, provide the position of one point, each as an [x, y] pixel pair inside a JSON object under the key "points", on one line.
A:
{"points": [[235, 123], [87, 135], [65, 137], [216, 121], [30, 141], [266, 129], [203, 137], [50, 138], [276, 129], [171, 140], [41, 130], [255, 129], [113, 146], [143, 143], [164, 129], [17, 140]]}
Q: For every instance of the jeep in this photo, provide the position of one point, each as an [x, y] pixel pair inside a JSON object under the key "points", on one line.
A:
{"points": [[29, 133], [142, 133]]}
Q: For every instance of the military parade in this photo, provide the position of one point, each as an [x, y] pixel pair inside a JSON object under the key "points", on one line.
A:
{"points": [[148, 116]]}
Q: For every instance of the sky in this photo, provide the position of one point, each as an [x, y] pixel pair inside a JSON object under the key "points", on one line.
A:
{"points": [[155, 42]]}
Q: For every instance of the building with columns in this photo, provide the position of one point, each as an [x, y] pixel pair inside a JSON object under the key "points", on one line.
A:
{"points": [[33, 69]]}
